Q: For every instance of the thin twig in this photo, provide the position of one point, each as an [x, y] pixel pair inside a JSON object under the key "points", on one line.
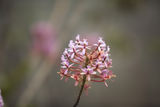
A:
{"points": [[81, 90]]}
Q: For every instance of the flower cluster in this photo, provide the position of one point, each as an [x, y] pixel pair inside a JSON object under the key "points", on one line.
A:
{"points": [[1, 100], [44, 39], [91, 61]]}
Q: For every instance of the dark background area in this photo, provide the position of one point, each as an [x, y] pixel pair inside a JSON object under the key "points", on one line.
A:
{"points": [[130, 27]]}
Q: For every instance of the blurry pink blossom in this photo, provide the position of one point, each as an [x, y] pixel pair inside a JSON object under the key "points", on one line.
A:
{"points": [[85, 59], [44, 39], [1, 100]]}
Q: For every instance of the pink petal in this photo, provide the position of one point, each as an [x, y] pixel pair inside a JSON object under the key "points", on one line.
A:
{"points": [[76, 83], [106, 84], [88, 77]]}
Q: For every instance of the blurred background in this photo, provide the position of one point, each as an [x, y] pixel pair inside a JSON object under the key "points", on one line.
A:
{"points": [[34, 33]]}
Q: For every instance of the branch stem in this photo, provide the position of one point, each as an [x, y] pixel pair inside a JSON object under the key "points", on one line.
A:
{"points": [[81, 90]]}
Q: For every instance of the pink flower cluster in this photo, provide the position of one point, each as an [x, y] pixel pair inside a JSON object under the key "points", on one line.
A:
{"points": [[44, 39], [90, 60], [1, 100]]}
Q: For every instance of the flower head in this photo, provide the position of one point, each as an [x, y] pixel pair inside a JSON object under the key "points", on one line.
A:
{"points": [[44, 38], [81, 59], [1, 100]]}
